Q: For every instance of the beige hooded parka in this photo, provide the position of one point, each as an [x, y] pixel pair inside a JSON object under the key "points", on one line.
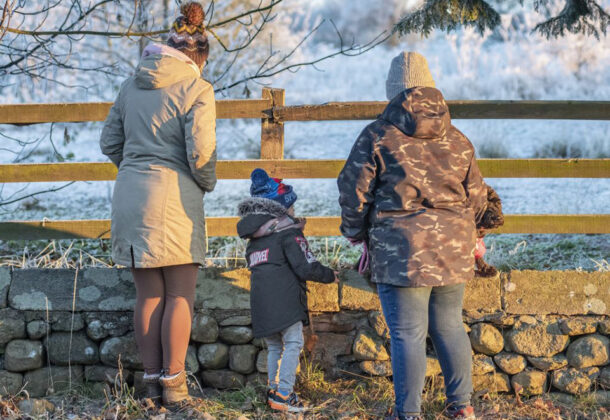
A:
{"points": [[161, 134]]}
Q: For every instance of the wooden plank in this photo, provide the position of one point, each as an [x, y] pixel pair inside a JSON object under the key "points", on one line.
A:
{"points": [[59, 229], [302, 169], [259, 108], [289, 169], [272, 130], [54, 172], [556, 223], [565, 110], [545, 168], [333, 111], [537, 110], [522, 223], [97, 111], [316, 226]]}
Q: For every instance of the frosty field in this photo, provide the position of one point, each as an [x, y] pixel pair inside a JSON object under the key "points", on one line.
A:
{"points": [[508, 64]]}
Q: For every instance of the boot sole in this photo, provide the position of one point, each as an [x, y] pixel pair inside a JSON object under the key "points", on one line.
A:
{"points": [[285, 407]]}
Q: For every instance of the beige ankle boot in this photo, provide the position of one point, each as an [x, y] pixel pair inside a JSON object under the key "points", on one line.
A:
{"points": [[152, 387], [175, 389]]}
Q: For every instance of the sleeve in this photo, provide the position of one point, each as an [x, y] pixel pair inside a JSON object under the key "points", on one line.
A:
{"points": [[476, 189], [113, 134], [200, 137], [356, 184], [303, 262]]}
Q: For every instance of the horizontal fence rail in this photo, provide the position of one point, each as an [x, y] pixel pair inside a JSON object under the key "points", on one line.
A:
{"points": [[480, 110], [263, 108], [272, 112], [97, 111], [316, 226], [294, 168]]}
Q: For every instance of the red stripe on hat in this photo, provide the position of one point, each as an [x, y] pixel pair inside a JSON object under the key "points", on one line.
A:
{"points": [[281, 188]]}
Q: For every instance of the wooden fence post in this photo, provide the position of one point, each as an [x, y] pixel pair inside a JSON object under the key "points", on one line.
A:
{"points": [[272, 131]]}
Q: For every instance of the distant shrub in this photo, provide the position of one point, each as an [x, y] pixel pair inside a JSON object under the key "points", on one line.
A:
{"points": [[570, 149], [492, 150]]}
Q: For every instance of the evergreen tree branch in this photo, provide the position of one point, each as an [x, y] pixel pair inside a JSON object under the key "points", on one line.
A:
{"points": [[578, 16], [448, 15]]}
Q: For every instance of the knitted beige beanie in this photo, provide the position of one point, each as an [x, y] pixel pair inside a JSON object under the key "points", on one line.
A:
{"points": [[408, 69]]}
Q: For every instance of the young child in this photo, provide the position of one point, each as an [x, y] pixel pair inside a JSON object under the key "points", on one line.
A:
{"points": [[280, 262]]}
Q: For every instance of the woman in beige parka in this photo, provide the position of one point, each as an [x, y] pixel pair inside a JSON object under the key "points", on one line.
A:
{"points": [[160, 133]]}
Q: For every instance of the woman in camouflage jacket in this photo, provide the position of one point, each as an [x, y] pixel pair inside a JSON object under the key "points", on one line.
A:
{"points": [[411, 189]]}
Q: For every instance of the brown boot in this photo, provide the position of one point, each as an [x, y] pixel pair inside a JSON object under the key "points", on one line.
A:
{"points": [[175, 389], [152, 388]]}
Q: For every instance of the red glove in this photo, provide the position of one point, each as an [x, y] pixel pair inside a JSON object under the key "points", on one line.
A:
{"points": [[479, 250]]}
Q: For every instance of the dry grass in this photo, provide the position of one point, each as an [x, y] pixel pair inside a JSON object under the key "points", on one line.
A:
{"points": [[55, 254], [353, 397], [506, 252]]}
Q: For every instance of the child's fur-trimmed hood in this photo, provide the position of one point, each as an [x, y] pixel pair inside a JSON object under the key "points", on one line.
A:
{"points": [[255, 212], [261, 206]]}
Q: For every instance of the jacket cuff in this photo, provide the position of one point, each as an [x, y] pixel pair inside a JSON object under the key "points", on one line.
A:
{"points": [[329, 276], [354, 233]]}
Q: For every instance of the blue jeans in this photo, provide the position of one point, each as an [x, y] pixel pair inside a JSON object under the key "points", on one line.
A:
{"points": [[283, 351], [411, 314]]}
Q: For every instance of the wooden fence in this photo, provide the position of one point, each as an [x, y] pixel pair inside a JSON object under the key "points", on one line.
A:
{"points": [[273, 113]]}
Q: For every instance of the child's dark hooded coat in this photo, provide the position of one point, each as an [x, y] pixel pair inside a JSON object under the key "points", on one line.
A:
{"points": [[280, 261]]}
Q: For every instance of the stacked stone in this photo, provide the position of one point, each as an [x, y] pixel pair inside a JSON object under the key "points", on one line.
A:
{"points": [[535, 355], [49, 350]]}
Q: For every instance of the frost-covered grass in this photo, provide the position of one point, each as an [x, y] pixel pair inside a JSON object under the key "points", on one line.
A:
{"points": [[548, 252], [506, 252], [511, 63]]}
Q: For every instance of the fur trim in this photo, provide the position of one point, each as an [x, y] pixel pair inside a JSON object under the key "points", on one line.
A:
{"points": [[260, 205]]}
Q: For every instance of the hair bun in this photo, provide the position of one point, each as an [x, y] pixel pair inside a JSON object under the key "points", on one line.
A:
{"points": [[193, 13]]}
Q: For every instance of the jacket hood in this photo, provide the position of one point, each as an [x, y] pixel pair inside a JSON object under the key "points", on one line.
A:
{"points": [[256, 212], [419, 112], [157, 71], [260, 206]]}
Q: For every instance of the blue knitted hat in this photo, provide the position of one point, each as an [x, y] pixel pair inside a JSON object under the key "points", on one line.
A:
{"points": [[272, 188]]}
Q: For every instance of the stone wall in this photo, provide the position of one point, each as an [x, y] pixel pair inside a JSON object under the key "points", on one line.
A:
{"points": [[530, 331]]}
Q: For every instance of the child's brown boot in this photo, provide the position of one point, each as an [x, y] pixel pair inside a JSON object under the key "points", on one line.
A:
{"points": [[175, 389]]}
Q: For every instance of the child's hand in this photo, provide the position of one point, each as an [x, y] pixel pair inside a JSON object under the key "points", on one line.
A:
{"points": [[337, 280]]}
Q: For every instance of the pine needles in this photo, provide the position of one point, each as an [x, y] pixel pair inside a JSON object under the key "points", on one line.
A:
{"points": [[449, 15], [578, 16]]}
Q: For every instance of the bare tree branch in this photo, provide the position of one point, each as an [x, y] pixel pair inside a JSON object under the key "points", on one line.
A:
{"points": [[80, 19], [128, 33], [24, 197], [6, 16], [266, 71], [33, 58]]}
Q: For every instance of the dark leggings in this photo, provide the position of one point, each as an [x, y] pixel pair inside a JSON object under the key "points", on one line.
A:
{"points": [[163, 315]]}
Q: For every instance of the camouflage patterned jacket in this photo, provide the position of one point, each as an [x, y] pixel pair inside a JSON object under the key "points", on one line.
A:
{"points": [[411, 187]]}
